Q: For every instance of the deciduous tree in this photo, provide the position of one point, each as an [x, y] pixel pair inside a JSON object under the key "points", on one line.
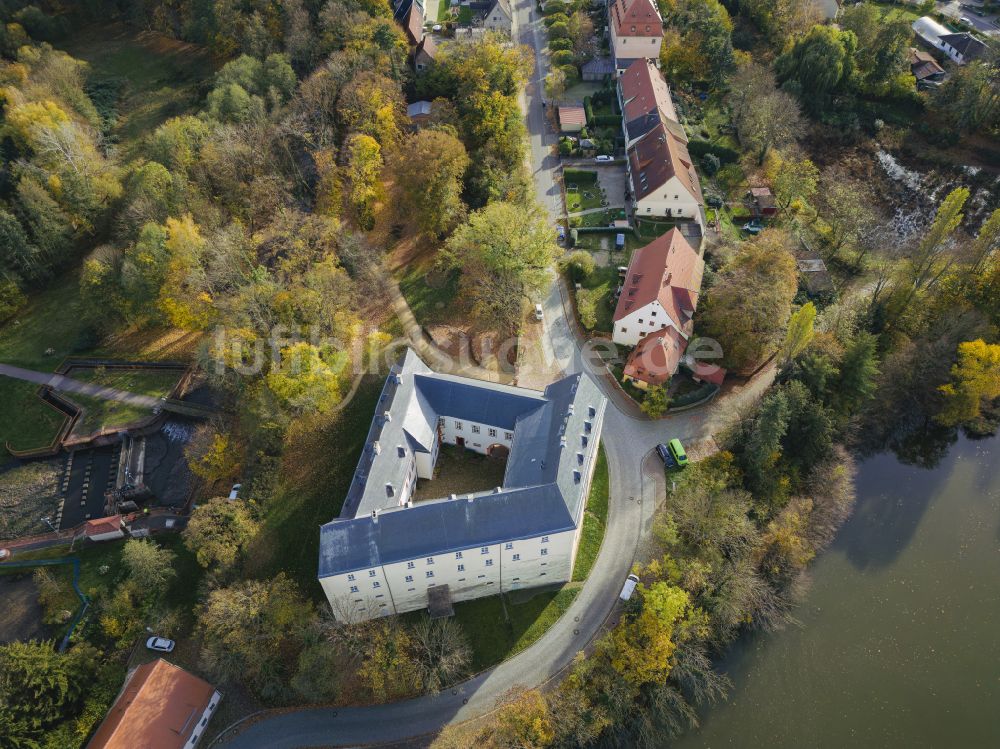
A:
{"points": [[218, 531], [429, 173], [975, 379]]}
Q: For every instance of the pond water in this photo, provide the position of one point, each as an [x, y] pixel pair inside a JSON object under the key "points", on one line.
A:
{"points": [[899, 637]]}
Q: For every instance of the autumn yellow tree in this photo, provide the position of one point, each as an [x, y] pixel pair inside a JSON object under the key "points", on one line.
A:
{"points": [[975, 379], [522, 720], [184, 296], [307, 377], [364, 170]]}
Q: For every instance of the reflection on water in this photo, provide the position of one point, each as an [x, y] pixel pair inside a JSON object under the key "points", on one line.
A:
{"points": [[899, 645]]}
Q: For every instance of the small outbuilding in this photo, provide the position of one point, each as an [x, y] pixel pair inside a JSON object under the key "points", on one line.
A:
{"points": [[104, 529], [419, 112], [761, 201], [572, 119], [924, 67], [597, 69]]}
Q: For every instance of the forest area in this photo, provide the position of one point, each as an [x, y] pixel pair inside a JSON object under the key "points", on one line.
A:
{"points": [[238, 208]]}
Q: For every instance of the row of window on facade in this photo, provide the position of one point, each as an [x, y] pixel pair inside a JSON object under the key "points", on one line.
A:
{"points": [[354, 588], [459, 426]]}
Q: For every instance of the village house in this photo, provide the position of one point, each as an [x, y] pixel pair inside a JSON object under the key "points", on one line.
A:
{"points": [[387, 554], [656, 307], [161, 705], [662, 179], [960, 47], [424, 54], [644, 100], [636, 30], [499, 17], [410, 15]]}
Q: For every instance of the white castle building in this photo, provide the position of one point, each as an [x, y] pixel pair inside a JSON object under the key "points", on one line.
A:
{"points": [[387, 554]]}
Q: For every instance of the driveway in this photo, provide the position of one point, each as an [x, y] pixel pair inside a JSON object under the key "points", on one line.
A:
{"points": [[636, 487]]}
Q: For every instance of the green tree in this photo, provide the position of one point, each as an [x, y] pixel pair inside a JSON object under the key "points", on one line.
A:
{"points": [[757, 446], [578, 265], [430, 180], [218, 531], [881, 57], [794, 180], [656, 401], [858, 373], [970, 99], [504, 253], [706, 27], [975, 380], [749, 304], [800, 331], [521, 720], [150, 567], [818, 65], [40, 688], [307, 377], [764, 116]]}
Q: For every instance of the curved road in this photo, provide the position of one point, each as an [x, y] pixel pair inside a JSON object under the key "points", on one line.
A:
{"points": [[636, 485]]}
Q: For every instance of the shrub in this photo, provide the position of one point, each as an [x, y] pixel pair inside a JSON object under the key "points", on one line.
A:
{"points": [[725, 155], [607, 120], [588, 107], [562, 57], [586, 305], [579, 177], [558, 45], [710, 163], [558, 17], [578, 265]]}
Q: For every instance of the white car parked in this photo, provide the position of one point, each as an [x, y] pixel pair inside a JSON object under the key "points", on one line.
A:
{"points": [[629, 587], [603, 158], [160, 644]]}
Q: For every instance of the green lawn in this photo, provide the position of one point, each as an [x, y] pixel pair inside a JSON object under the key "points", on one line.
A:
{"points": [[493, 638], [430, 294], [161, 77], [583, 198], [605, 281], [101, 414], [603, 218], [892, 12], [595, 520], [650, 229], [320, 456]]}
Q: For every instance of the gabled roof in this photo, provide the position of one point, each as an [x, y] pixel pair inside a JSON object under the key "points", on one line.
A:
{"points": [[427, 48], [502, 5], [413, 22], [160, 705], [667, 270], [418, 109], [572, 116], [555, 440], [658, 157], [655, 358], [103, 525], [636, 18], [646, 101], [965, 44]]}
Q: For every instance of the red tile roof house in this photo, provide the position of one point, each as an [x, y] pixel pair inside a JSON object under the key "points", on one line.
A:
{"points": [[656, 307], [636, 31], [662, 179], [644, 100], [160, 706]]}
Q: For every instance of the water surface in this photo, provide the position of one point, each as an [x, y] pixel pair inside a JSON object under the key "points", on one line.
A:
{"points": [[899, 643]]}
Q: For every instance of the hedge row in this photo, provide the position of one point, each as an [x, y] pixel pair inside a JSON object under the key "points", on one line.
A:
{"points": [[606, 120], [699, 148], [579, 177], [693, 396]]}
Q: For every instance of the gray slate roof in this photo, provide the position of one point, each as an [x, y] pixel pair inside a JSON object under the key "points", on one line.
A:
{"points": [[965, 44], [542, 490]]}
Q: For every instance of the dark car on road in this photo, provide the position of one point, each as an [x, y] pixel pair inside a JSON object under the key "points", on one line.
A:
{"points": [[665, 456]]}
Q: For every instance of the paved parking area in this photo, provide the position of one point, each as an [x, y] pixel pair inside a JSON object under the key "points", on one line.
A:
{"points": [[612, 178]]}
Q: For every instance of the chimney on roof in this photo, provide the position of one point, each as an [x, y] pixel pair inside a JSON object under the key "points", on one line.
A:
{"points": [[376, 447], [387, 415], [471, 497], [453, 497], [497, 489], [375, 516]]}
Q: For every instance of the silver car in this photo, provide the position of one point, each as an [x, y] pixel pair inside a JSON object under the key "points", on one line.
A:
{"points": [[160, 644]]}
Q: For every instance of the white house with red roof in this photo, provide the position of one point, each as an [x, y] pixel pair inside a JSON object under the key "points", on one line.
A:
{"points": [[644, 100], [661, 177], [636, 31], [660, 290], [656, 307]]}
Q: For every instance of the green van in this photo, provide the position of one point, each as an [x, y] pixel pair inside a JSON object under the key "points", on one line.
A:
{"points": [[677, 450]]}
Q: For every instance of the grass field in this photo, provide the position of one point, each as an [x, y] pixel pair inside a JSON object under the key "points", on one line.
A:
{"points": [[583, 198], [493, 638], [605, 280], [431, 295], [320, 456], [595, 520], [101, 414], [161, 77]]}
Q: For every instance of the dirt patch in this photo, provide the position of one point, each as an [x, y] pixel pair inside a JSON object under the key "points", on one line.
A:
{"points": [[21, 614]]}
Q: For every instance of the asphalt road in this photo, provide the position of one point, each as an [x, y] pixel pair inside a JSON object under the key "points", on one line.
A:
{"points": [[636, 486]]}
